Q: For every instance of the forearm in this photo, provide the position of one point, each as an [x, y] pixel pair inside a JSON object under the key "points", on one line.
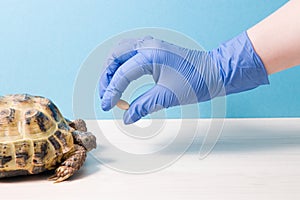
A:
{"points": [[276, 39]]}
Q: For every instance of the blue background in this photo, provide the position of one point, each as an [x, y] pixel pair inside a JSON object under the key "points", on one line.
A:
{"points": [[43, 44]]}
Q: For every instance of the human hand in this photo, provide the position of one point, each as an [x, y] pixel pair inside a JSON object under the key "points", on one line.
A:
{"points": [[182, 76]]}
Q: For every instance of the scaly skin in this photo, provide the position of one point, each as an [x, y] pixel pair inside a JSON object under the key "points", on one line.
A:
{"points": [[79, 125], [72, 163]]}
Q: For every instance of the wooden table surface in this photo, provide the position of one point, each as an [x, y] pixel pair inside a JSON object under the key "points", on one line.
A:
{"points": [[253, 159]]}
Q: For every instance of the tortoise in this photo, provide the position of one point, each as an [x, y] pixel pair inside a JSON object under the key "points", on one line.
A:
{"points": [[35, 137]]}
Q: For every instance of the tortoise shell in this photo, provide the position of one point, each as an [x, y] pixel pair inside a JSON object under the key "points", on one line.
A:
{"points": [[34, 135]]}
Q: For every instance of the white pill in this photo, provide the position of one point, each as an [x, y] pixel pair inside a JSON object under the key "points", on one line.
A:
{"points": [[123, 105]]}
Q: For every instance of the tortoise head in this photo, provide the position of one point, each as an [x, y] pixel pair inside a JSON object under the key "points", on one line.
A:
{"points": [[85, 139]]}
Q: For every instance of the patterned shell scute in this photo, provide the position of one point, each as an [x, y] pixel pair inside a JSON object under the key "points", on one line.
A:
{"points": [[33, 133]]}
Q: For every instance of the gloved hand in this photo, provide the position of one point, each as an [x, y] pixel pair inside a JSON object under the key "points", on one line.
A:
{"points": [[182, 76]]}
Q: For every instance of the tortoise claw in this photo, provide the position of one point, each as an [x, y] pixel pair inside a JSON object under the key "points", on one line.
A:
{"points": [[52, 178], [57, 179], [61, 173]]}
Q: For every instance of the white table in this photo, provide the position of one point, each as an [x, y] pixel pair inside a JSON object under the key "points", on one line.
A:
{"points": [[253, 159]]}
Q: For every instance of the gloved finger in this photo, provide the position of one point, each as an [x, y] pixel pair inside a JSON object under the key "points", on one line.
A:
{"points": [[151, 101], [126, 50], [132, 69], [114, 62]]}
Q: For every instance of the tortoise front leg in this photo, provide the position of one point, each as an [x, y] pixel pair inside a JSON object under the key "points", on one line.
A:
{"points": [[72, 164]]}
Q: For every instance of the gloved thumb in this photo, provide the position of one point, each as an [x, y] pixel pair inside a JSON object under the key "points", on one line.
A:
{"points": [[153, 100]]}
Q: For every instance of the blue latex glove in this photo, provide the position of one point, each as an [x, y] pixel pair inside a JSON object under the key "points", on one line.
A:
{"points": [[182, 76]]}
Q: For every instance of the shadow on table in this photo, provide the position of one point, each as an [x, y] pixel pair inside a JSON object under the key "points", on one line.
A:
{"points": [[28, 178], [90, 167]]}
